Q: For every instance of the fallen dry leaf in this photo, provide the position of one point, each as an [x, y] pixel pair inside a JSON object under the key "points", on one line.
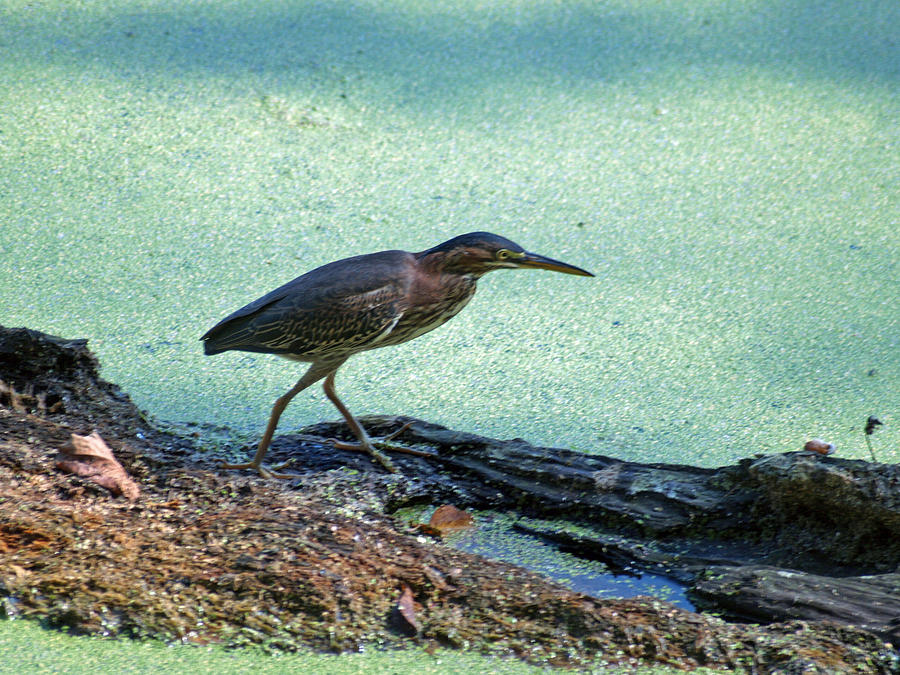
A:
{"points": [[447, 517], [819, 446], [90, 457], [406, 607]]}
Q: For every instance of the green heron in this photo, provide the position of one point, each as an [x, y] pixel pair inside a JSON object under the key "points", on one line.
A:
{"points": [[360, 303]]}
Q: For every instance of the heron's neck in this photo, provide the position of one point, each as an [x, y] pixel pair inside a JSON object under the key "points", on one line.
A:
{"points": [[445, 263]]}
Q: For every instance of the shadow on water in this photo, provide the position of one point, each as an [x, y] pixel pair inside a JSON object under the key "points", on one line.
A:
{"points": [[420, 57]]}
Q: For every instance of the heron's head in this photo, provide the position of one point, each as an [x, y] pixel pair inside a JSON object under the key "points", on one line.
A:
{"points": [[477, 253]]}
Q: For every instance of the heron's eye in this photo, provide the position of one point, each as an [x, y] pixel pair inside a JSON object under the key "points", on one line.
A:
{"points": [[502, 254]]}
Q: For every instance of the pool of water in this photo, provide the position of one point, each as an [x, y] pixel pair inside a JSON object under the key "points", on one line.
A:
{"points": [[494, 536]]}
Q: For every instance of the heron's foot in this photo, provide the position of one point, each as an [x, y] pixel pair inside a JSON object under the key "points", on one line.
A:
{"points": [[261, 470], [365, 447], [372, 446]]}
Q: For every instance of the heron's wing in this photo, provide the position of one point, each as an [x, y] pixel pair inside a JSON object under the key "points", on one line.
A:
{"points": [[333, 309]]}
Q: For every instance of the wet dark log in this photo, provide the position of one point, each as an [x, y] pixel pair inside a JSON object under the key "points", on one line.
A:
{"points": [[760, 593], [799, 509]]}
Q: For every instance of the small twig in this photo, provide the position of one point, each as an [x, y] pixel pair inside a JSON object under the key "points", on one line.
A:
{"points": [[871, 423]]}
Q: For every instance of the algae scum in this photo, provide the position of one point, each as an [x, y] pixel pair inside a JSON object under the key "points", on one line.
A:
{"points": [[729, 171]]}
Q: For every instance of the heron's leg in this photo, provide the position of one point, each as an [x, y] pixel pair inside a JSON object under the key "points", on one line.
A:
{"points": [[315, 373], [366, 444]]}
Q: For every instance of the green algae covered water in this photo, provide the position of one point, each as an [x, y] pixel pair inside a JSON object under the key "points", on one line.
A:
{"points": [[729, 172]]}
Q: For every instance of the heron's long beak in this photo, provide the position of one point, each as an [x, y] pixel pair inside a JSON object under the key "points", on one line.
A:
{"points": [[541, 262]]}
